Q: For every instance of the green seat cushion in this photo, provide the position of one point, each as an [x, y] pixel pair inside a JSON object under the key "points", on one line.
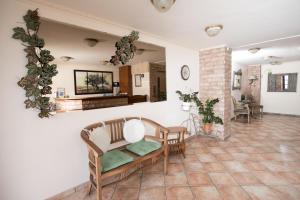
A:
{"points": [[113, 159], [143, 147]]}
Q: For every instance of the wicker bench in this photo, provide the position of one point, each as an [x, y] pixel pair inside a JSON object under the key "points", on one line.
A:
{"points": [[95, 154]]}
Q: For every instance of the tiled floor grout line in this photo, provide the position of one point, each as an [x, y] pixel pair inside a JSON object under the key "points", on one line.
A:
{"points": [[261, 159]]}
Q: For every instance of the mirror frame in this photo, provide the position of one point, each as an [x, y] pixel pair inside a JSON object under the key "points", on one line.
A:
{"points": [[235, 75]]}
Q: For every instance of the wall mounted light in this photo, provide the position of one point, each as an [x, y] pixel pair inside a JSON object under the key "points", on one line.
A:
{"points": [[213, 30], [252, 79]]}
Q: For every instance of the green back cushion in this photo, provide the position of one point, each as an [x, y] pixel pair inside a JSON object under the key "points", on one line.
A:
{"points": [[143, 147], [113, 159]]}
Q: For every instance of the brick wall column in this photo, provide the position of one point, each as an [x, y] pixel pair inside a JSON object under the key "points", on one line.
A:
{"points": [[255, 87], [215, 82]]}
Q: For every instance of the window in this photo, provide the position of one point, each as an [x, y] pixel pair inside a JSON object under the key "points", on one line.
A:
{"points": [[282, 82], [285, 82]]}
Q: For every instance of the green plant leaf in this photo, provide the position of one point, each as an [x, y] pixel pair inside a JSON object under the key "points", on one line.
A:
{"points": [[32, 20], [125, 49], [39, 71], [35, 41], [20, 34]]}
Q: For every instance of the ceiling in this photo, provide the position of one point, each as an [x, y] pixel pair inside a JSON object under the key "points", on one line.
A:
{"points": [[244, 22], [284, 50], [68, 40]]}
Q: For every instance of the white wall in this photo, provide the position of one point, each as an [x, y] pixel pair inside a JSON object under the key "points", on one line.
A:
{"points": [[280, 102], [65, 78], [42, 157]]}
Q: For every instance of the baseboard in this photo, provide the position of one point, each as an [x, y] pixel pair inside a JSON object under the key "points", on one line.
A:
{"points": [[281, 114], [70, 191]]}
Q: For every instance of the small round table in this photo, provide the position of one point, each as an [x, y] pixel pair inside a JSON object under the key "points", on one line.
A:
{"points": [[176, 139]]}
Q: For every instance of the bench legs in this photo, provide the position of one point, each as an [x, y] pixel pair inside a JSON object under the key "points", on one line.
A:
{"points": [[90, 189], [166, 158], [98, 179]]}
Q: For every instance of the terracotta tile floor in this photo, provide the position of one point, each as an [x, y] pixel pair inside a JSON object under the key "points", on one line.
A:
{"points": [[260, 161]]}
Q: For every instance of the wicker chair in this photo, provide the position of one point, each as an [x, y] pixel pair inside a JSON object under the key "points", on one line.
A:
{"points": [[240, 109], [116, 132]]}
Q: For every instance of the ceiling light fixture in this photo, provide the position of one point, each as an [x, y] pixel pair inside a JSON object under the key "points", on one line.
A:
{"points": [[275, 63], [91, 42], [105, 62], [213, 30], [163, 5], [139, 51], [254, 50], [272, 58], [66, 58]]}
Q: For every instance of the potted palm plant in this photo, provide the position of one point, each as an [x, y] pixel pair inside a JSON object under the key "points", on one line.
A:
{"points": [[186, 99], [207, 111]]}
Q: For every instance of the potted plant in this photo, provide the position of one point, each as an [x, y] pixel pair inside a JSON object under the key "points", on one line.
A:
{"points": [[187, 99], [207, 111]]}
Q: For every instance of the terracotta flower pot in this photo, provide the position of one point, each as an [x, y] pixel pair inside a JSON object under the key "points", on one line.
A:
{"points": [[207, 128]]}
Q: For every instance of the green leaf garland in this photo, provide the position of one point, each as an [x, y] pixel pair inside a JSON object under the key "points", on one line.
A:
{"points": [[125, 49], [40, 72]]}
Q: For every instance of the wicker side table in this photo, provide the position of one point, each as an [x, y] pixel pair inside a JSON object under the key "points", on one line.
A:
{"points": [[176, 139]]}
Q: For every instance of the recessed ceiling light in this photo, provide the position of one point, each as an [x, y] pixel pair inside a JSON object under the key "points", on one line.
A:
{"points": [[254, 50], [66, 58], [213, 30]]}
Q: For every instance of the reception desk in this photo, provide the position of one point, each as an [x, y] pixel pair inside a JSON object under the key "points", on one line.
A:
{"points": [[88, 103]]}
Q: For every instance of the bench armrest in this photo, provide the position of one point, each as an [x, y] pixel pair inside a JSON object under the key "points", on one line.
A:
{"points": [[96, 150], [154, 138]]}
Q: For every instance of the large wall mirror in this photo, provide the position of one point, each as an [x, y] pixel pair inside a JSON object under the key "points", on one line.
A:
{"points": [[86, 78], [237, 79], [282, 82]]}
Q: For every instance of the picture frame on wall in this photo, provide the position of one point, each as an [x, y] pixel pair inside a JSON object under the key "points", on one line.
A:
{"points": [[60, 92], [138, 80], [93, 82]]}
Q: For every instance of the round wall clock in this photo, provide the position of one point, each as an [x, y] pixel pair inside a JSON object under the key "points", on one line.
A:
{"points": [[185, 72]]}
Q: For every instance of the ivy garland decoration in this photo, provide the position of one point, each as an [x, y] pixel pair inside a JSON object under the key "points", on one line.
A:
{"points": [[125, 49], [40, 72]]}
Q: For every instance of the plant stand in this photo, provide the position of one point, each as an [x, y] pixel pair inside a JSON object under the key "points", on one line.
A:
{"points": [[197, 122], [214, 134], [189, 123]]}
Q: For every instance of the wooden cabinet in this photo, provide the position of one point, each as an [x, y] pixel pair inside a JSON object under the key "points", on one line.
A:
{"points": [[125, 80], [158, 87]]}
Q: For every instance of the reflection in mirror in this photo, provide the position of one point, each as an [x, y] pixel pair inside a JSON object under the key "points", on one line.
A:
{"points": [[87, 77], [282, 82], [237, 77]]}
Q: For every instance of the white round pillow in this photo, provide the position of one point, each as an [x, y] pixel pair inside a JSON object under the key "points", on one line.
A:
{"points": [[133, 130]]}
